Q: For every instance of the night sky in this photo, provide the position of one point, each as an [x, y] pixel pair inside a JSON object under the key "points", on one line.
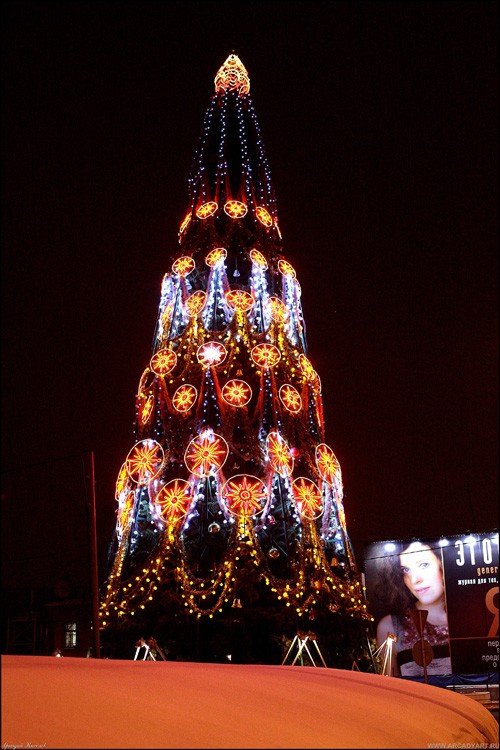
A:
{"points": [[380, 123]]}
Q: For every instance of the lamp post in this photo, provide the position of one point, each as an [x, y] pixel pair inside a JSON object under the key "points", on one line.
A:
{"points": [[94, 579]]}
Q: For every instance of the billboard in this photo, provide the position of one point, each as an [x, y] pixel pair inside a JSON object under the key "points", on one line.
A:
{"points": [[453, 579]]}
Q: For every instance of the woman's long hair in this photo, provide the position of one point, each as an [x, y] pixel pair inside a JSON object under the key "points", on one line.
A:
{"points": [[391, 588]]}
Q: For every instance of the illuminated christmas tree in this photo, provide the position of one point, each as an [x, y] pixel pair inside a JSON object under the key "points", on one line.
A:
{"points": [[230, 497]]}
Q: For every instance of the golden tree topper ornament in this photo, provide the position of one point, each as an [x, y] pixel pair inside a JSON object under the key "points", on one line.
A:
{"points": [[232, 76]]}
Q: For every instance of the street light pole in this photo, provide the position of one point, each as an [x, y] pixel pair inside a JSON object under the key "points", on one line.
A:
{"points": [[94, 578]]}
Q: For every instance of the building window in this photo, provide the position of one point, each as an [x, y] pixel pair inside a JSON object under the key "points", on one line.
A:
{"points": [[70, 635]]}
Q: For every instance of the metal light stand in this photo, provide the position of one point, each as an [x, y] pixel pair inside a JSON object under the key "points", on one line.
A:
{"points": [[300, 640]]}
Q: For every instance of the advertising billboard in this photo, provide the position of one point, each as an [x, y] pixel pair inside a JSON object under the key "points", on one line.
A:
{"points": [[454, 580]]}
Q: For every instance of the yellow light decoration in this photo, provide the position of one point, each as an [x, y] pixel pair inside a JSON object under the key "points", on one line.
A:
{"points": [[308, 497], [236, 393], [265, 355], [166, 315], [145, 461], [184, 397], [245, 495], [257, 258], [174, 500], [185, 223], [279, 312], [196, 302], [240, 300], [206, 453], [235, 209], [124, 511], [146, 409], [280, 455], [215, 256], [211, 354], [207, 209], [264, 216], [290, 398], [278, 229], [122, 479], [341, 511], [147, 379], [306, 367], [183, 265], [326, 462], [163, 361], [232, 75], [286, 269]]}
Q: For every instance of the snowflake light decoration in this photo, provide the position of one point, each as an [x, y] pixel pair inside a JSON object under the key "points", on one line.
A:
{"points": [[280, 455], [183, 265], [206, 209], [145, 461], [265, 355], [308, 497], [211, 354], [184, 397], [327, 464], [236, 393], [235, 209], [245, 495], [257, 258], [205, 454], [196, 302], [174, 500], [290, 398], [239, 299], [163, 361], [215, 256], [286, 269], [264, 216]]}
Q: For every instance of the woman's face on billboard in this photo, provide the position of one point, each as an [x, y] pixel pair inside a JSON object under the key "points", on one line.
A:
{"points": [[422, 573]]}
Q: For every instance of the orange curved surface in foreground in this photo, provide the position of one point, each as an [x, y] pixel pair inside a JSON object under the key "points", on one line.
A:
{"points": [[89, 703]]}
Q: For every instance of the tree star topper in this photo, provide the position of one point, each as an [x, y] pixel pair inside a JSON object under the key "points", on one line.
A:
{"points": [[232, 76]]}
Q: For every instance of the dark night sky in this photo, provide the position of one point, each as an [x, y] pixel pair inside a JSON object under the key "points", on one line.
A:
{"points": [[380, 122]]}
